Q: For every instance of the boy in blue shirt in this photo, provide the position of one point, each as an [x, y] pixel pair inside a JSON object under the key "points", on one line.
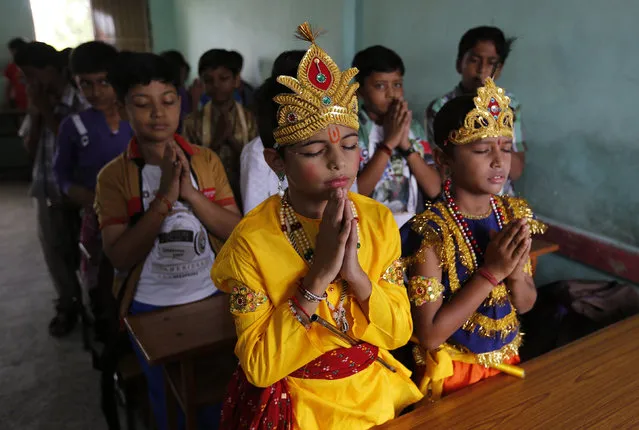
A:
{"points": [[87, 141]]}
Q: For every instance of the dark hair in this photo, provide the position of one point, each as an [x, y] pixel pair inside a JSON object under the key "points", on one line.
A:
{"points": [[267, 109], [377, 59], [92, 57], [177, 59], [449, 118], [482, 34], [287, 63], [137, 68], [16, 43], [39, 55], [214, 58], [237, 58]]}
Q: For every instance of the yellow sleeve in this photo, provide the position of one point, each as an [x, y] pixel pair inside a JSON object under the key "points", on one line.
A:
{"points": [[389, 324], [271, 342]]}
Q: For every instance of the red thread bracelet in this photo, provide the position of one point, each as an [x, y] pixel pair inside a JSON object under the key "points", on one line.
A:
{"points": [[164, 200], [382, 147], [488, 276], [299, 306]]}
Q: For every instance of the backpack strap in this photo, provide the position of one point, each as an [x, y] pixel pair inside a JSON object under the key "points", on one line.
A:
{"points": [[82, 130]]}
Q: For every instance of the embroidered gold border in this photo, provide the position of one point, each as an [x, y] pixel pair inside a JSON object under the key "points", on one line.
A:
{"points": [[395, 273], [488, 327], [498, 295], [243, 299], [424, 290]]}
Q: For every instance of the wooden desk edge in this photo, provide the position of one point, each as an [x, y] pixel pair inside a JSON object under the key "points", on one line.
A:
{"points": [[400, 423], [548, 249], [137, 342], [222, 343]]}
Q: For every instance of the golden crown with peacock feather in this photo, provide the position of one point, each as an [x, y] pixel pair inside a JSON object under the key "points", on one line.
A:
{"points": [[322, 95], [492, 116]]}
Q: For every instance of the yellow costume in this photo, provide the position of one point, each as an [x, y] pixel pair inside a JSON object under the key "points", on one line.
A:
{"points": [[261, 270]]}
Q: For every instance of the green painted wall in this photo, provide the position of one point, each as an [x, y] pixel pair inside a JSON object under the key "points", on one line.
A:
{"points": [[574, 70], [162, 14]]}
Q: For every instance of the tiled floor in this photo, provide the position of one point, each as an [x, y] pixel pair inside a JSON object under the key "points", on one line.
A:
{"points": [[45, 383]]}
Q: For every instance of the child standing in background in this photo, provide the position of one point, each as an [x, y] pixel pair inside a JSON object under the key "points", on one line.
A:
{"points": [[396, 166], [223, 124], [52, 98], [482, 53], [87, 141]]}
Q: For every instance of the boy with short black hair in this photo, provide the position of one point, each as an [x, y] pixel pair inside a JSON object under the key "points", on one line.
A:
{"points": [[223, 124], [396, 159], [164, 205], [89, 140], [52, 98], [482, 53]]}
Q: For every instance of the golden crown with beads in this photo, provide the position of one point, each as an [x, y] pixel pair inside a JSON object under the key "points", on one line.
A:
{"points": [[323, 95], [492, 116]]}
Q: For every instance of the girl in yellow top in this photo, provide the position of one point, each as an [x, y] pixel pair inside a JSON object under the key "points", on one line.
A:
{"points": [[315, 255]]}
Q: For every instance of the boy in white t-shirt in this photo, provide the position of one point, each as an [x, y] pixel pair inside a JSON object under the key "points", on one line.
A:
{"points": [[164, 206], [397, 167]]}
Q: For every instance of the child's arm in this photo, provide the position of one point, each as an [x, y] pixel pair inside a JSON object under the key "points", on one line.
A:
{"points": [[521, 284], [125, 245], [395, 122], [426, 175], [435, 320], [381, 310], [219, 217]]}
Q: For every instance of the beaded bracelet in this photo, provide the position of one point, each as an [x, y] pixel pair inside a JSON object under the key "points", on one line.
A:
{"points": [[314, 298], [488, 276]]}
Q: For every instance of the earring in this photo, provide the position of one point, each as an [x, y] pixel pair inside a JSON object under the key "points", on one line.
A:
{"points": [[280, 185]]}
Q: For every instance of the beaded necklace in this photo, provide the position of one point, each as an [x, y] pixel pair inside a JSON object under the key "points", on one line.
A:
{"points": [[297, 237], [463, 225]]}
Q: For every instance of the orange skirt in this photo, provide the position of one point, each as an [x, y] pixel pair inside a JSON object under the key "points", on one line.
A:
{"points": [[466, 374]]}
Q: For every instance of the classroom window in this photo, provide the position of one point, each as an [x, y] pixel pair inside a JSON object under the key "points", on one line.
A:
{"points": [[62, 23], [68, 23]]}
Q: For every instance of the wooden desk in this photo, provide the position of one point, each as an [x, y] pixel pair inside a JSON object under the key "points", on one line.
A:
{"points": [[590, 383], [541, 247], [180, 335]]}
